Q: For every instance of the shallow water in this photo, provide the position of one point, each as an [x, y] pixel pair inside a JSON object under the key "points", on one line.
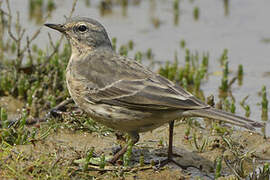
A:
{"points": [[241, 32]]}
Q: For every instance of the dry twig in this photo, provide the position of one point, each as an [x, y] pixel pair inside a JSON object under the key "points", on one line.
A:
{"points": [[20, 34]]}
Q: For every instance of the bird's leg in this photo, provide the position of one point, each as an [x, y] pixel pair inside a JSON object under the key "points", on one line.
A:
{"points": [[170, 150], [134, 139], [170, 153]]}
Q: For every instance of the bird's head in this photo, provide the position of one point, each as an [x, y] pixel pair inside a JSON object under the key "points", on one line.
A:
{"points": [[83, 33]]}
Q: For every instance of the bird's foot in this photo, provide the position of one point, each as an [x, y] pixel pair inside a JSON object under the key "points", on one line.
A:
{"points": [[171, 160]]}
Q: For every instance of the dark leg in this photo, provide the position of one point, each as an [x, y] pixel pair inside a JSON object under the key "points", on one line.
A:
{"points": [[135, 138], [170, 149], [170, 153]]}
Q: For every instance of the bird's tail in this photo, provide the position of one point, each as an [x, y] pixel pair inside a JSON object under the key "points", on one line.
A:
{"points": [[224, 116]]}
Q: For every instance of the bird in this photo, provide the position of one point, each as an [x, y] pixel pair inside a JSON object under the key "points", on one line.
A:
{"points": [[121, 93]]}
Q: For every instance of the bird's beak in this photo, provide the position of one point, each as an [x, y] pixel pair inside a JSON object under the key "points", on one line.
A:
{"points": [[58, 27]]}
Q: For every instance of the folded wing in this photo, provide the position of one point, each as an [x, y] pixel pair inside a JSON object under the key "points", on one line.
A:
{"points": [[133, 86]]}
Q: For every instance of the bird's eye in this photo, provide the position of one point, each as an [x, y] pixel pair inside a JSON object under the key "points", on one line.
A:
{"points": [[82, 28]]}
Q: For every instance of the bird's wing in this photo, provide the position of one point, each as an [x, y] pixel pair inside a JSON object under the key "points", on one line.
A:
{"points": [[117, 80]]}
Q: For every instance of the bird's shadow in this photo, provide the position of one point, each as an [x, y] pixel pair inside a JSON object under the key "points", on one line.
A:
{"points": [[181, 156]]}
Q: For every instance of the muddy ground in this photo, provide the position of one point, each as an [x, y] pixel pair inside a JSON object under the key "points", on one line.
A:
{"points": [[61, 154]]}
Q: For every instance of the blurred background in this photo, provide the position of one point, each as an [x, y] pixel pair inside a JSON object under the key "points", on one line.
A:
{"points": [[168, 27]]}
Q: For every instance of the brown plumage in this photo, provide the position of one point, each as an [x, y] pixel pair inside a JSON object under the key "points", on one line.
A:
{"points": [[120, 93]]}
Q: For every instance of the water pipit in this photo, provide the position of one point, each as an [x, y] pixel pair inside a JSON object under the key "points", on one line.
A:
{"points": [[122, 94]]}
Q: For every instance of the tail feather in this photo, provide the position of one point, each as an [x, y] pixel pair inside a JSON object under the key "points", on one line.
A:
{"points": [[224, 116]]}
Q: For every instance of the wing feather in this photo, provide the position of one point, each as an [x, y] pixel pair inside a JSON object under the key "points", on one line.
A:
{"points": [[117, 80], [144, 94]]}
